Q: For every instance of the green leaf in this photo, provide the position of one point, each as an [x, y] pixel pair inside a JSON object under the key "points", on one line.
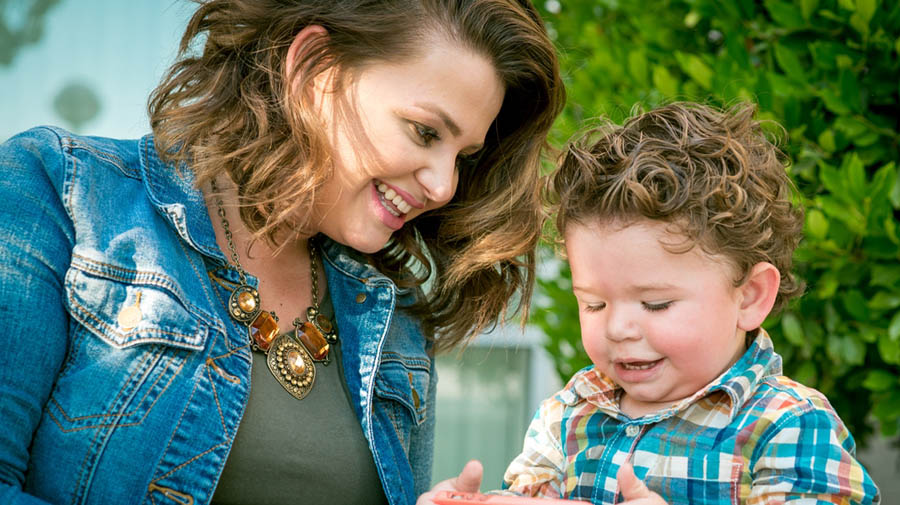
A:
{"points": [[885, 275], [895, 193], [889, 350], [880, 187], [855, 303], [850, 5], [846, 349], [785, 14], [852, 127], [692, 18], [834, 103], [826, 140], [850, 94], [637, 66], [664, 82], [866, 9], [832, 318], [879, 380], [884, 300], [816, 224], [854, 176], [789, 62], [792, 329], [894, 327], [808, 7], [831, 178], [888, 408], [694, 66]]}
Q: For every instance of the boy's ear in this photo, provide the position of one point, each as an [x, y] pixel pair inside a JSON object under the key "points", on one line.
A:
{"points": [[305, 39], [758, 295]]}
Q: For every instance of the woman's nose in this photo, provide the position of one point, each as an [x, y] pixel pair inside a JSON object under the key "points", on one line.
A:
{"points": [[439, 180]]}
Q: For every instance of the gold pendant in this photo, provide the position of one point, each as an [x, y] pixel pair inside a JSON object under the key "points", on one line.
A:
{"points": [[291, 365]]}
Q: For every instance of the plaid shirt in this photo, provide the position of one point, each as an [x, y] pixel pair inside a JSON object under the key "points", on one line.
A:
{"points": [[752, 437]]}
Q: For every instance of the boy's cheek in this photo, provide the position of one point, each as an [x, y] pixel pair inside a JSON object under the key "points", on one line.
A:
{"points": [[594, 345]]}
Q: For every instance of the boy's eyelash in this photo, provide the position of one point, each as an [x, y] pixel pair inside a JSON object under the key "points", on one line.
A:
{"points": [[595, 308], [654, 307]]}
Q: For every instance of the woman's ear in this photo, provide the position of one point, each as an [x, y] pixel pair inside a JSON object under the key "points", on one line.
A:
{"points": [[757, 295], [306, 39]]}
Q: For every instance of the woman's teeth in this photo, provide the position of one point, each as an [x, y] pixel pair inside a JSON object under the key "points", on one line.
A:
{"points": [[390, 195]]}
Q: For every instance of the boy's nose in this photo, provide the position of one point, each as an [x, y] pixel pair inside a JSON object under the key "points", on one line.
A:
{"points": [[619, 326]]}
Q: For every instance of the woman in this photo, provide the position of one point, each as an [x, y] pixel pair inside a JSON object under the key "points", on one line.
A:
{"points": [[365, 170]]}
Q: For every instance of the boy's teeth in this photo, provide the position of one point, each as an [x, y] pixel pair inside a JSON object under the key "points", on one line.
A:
{"points": [[636, 366], [390, 194]]}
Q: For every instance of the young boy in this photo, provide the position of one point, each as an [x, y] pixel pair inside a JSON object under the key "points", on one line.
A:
{"points": [[679, 230]]}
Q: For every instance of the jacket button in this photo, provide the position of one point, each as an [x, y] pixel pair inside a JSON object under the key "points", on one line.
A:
{"points": [[360, 298]]}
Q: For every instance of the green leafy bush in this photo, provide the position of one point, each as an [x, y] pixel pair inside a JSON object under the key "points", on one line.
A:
{"points": [[827, 70]]}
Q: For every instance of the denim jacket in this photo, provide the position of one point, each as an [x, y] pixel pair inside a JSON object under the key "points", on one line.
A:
{"points": [[99, 408]]}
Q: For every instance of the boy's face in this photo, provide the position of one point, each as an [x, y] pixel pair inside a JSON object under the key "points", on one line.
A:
{"points": [[661, 325]]}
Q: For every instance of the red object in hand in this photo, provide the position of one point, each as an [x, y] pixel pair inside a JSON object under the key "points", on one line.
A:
{"points": [[460, 498]]}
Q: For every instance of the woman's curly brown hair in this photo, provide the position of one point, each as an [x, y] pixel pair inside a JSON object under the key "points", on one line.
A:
{"points": [[713, 174], [227, 107]]}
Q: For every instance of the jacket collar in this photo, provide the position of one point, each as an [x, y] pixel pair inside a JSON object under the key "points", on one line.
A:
{"points": [[737, 383], [173, 193], [176, 198]]}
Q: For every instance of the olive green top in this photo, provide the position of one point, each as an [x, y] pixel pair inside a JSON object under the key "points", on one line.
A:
{"points": [[307, 451]]}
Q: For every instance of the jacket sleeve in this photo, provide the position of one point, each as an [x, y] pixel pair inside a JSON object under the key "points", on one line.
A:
{"points": [[36, 239], [807, 455], [540, 469]]}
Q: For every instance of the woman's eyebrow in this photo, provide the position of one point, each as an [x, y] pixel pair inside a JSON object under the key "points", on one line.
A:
{"points": [[445, 118]]}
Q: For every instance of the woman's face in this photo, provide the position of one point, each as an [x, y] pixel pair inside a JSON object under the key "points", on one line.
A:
{"points": [[395, 156]]}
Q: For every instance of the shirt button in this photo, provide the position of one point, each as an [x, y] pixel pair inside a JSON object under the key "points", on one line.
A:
{"points": [[360, 298], [632, 430]]}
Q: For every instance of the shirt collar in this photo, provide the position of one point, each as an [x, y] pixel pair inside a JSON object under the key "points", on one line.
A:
{"points": [[737, 383]]}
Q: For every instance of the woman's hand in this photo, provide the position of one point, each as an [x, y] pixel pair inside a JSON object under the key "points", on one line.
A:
{"points": [[633, 490], [468, 481]]}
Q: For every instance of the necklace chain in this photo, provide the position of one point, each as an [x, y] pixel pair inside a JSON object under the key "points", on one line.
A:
{"points": [[242, 274]]}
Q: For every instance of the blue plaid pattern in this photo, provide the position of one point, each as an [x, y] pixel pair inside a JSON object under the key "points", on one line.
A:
{"points": [[750, 437]]}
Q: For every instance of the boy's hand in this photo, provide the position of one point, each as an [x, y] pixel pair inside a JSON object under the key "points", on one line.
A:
{"points": [[468, 481], [633, 490]]}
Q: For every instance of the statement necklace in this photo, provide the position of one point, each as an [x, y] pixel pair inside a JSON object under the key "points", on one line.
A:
{"points": [[291, 357]]}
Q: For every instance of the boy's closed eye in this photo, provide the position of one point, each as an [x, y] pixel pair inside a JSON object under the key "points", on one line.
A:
{"points": [[656, 306]]}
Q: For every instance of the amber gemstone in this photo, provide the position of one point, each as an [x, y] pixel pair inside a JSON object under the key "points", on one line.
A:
{"points": [[324, 323], [247, 302], [313, 340], [295, 362], [263, 330]]}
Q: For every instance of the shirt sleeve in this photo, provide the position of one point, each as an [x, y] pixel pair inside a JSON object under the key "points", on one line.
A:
{"points": [[808, 456], [540, 469]]}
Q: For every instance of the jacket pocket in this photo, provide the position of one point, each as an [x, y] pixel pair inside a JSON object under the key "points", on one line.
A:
{"points": [[403, 380], [129, 343], [127, 313]]}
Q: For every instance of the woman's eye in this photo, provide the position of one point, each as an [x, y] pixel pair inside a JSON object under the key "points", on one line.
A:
{"points": [[654, 307], [426, 134]]}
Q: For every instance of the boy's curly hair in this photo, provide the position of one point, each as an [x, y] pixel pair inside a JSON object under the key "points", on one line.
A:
{"points": [[713, 174]]}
